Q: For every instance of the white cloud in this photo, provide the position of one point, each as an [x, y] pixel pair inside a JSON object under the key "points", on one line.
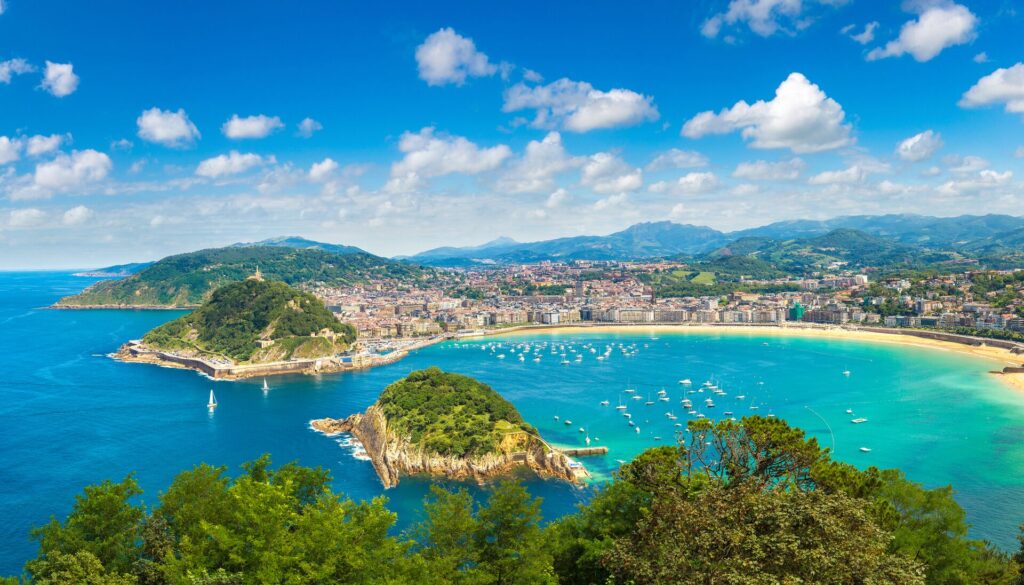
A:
{"points": [[121, 144], [981, 57], [77, 215], [168, 128], [557, 198], [251, 126], [607, 173], [578, 107], [919, 146], [984, 180], [447, 57], [322, 170], [308, 127], [10, 149], [1002, 86], [939, 25], [763, 17], [864, 37], [762, 170], [800, 117], [28, 217], [542, 161], [40, 144], [12, 67], [72, 171], [962, 165], [675, 158], [232, 163], [532, 76], [59, 79], [611, 201], [430, 155], [688, 184], [853, 174]]}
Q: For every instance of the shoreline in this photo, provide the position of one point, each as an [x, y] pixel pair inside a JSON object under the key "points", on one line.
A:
{"points": [[964, 344]]}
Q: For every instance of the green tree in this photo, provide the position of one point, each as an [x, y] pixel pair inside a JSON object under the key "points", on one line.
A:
{"points": [[79, 568]]}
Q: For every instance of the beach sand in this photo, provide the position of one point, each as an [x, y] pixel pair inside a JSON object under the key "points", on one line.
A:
{"points": [[998, 356]]}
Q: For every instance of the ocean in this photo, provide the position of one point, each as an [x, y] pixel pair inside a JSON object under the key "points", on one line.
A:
{"points": [[70, 416]]}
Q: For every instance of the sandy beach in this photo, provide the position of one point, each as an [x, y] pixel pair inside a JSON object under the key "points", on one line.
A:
{"points": [[999, 357]]}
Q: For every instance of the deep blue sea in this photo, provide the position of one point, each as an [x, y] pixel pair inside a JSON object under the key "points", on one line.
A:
{"points": [[70, 416]]}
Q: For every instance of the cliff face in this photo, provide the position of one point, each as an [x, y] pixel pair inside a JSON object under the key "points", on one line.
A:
{"points": [[393, 456]]}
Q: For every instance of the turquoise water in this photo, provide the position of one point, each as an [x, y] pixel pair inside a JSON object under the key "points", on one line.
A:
{"points": [[71, 416]]}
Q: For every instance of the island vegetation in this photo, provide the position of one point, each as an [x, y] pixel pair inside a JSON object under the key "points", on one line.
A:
{"points": [[186, 280], [255, 321], [437, 423], [742, 502]]}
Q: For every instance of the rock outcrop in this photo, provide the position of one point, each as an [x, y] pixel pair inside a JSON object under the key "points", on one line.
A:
{"points": [[394, 456]]}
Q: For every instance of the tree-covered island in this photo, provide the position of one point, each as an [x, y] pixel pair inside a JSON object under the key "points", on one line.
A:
{"points": [[444, 424]]}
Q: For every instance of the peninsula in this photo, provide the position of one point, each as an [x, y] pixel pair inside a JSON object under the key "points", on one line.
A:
{"points": [[443, 424], [249, 328]]}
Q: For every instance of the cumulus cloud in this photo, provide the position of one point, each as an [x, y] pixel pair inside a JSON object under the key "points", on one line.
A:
{"points": [[166, 127], [259, 126], [12, 67], [72, 171], [39, 144], [308, 127], [542, 161], [919, 146], [10, 149], [1002, 86], [59, 79], [557, 198], [688, 184], [77, 215], [762, 170], [611, 201], [431, 155], [800, 117], [939, 25], [232, 163], [852, 174], [675, 158], [865, 36], [28, 217], [577, 107], [447, 57], [606, 173], [962, 165], [764, 17], [983, 180], [981, 57], [323, 170]]}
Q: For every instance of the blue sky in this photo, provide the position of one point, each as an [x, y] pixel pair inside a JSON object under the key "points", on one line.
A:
{"points": [[131, 130]]}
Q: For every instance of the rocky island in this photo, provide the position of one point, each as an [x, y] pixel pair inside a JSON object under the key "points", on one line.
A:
{"points": [[250, 328], [443, 424]]}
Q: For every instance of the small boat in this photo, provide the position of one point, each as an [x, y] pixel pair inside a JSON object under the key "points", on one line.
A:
{"points": [[583, 430], [858, 421], [662, 392], [664, 399], [621, 406], [846, 373], [587, 440], [501, 356], [865, 450], [849, 411], [605, 403], [638, 430], [637, 397], [556, 417], [212, 404], [632, 424], [741, 397], [727, 413], [265, 387], [627, 415], [568, 422], [685, 382], [649, 401]]}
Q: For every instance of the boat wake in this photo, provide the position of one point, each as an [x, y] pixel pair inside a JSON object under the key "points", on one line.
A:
{"points": [[348, 443]]}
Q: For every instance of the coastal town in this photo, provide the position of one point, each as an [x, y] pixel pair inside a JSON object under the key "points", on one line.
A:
{"points": [[590, 292]]}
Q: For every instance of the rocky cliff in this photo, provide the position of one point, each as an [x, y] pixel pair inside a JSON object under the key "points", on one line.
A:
{"points": [[393, 455]]}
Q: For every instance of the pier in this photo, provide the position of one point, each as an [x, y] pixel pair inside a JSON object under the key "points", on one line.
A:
{"points": [[585, 451]]}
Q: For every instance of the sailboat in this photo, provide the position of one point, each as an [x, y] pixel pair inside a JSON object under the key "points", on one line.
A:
{"points": [[213, 401], [265, 387]]}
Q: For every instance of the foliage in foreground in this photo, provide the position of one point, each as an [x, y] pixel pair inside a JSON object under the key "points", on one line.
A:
{"points": [[738, 503]]}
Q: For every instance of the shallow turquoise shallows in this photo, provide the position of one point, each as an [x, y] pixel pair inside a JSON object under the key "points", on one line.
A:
{"points": [[69, 416]]}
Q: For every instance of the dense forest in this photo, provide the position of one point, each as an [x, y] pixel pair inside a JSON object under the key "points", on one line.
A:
{"points": [[745, 502], [449, 414], [188, 279], [237, 316]]}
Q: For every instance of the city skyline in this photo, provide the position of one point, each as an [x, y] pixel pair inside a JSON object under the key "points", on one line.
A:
{"points": [[133, 132]]}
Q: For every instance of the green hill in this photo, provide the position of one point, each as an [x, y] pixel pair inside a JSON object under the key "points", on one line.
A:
{"points": [[256, 321], [449, 414], [187, 279]]}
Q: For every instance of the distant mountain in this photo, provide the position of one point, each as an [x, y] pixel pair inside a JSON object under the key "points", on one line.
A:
{"points": [[301, 243], [116, 271], [966, 233], [643, 240], [187, 280]]}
